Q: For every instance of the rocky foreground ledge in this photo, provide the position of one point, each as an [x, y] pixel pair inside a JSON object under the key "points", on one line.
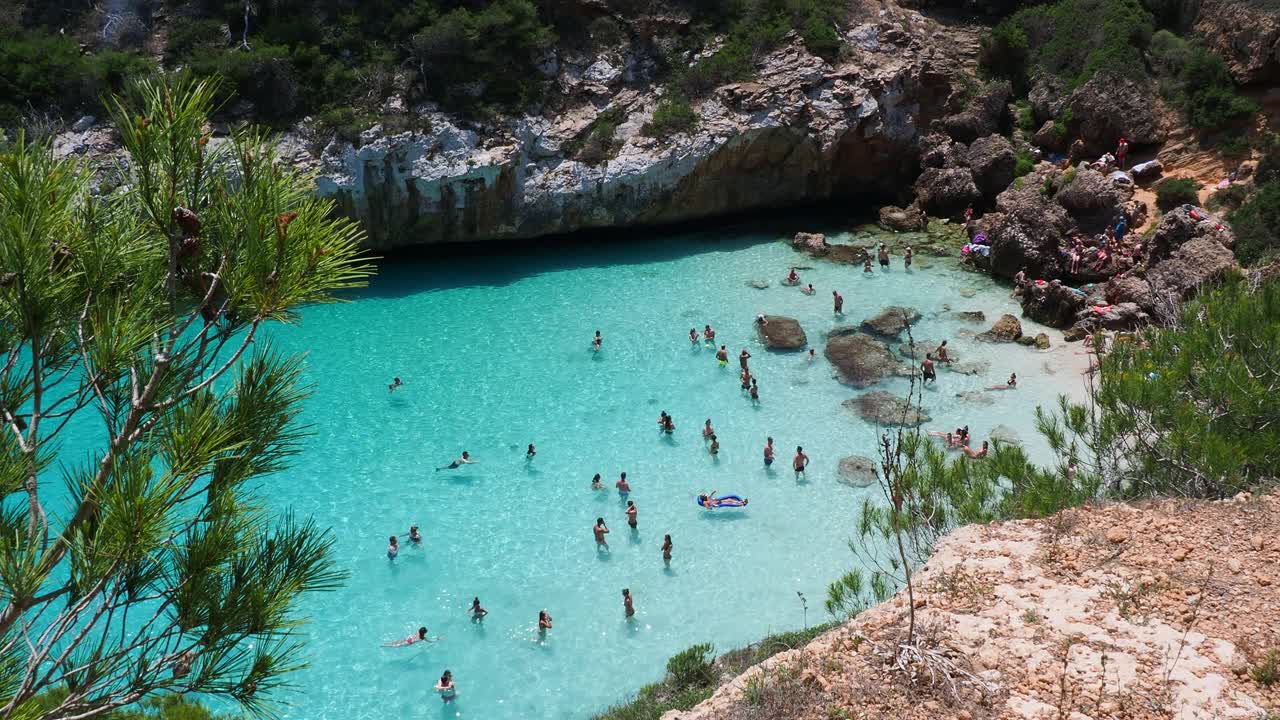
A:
{"points": [[1162, 610]]}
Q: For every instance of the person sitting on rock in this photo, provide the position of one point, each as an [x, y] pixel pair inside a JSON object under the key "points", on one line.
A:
{"points": [[792, 278]]}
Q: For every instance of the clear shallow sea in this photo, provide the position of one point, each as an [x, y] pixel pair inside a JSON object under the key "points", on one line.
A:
{"points": [[495, 352]]}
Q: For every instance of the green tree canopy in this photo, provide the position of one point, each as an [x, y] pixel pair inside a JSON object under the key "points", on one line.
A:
{"points": [[139, 316]]}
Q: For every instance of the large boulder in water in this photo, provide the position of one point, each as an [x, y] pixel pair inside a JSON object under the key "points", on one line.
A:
{"points": [[891, 321], [858, 471], [1005, 330], [860, 360], [781, 333], [1052, 304], [946, 192], [906, 219], [883, 408], [992, 163], [815, 244]]}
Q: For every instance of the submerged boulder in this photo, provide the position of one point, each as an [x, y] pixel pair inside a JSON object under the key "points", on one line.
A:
{"points": [[781, 333], [891, 321], [883, 408], [858, 471], [970, 315], [860, 360], [908, 219], [1005, 330]]}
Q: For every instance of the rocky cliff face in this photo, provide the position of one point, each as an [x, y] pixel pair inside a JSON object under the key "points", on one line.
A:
{"points": [[802, 130]]}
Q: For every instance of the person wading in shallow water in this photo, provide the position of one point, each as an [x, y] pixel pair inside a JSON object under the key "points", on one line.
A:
{"points": [[800, 462], [837, 301]]}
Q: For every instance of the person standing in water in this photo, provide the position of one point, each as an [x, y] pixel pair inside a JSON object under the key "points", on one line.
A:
{"points": [[755, 392], [464, 460], [666, 550], [544, 624], [768, 452], [715, 446], [866, 264], [709, 334], [723, 356], [476, 612], [528, 454], [631, 514], [837, 301], [883, 255], [693, 336], [595, 482], [808, 290], [393, 548], [743, 357], [800, 462], [926, 369], [395, 383], [811, 356], [597, 343], [600, 530], [446, 687], [707, 432], [627, 608], [745, 378], [665, 423], [623, 488], [907, 254], [415, 537]]}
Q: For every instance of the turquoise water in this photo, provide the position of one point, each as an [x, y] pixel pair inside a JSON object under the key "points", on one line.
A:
{"points": [[495, 353]]}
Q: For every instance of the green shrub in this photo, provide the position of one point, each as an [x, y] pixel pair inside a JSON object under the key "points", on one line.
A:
{"points": [[596, 144], [1257, 225], [1071, 39], [1168, 53], [673, 115], [1024, 118], [1026, 163], [1211, 100], [1177, 191], [1266, 672], [1228, 198], [692, 667]]}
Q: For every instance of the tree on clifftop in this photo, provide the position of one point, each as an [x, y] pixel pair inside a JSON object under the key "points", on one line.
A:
{"points": [[131, 321]]}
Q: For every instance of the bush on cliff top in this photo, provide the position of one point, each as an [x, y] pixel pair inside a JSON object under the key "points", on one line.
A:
{"points": [[1071, 39], [1257, 226], [674, 114], [1177, 191]]}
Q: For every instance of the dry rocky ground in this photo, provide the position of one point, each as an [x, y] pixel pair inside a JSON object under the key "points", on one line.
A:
{"points": [[1159, 610]]}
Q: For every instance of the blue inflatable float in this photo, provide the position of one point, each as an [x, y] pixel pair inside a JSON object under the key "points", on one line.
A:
{"points": [[724, 501]]}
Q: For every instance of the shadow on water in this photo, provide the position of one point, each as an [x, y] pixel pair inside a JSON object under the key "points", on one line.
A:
{"points": [[411, 270], [727, 515]]}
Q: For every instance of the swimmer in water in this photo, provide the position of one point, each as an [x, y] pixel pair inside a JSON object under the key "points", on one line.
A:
{"points": [[666, 550], [393, 548], [975, 454], [1012, 384], [624, 489], [665, 423], [420, 637], [709, 334], [627, 608], [947, 437], [597, 342], [464, 460], [476, 612], [395, 383], [811, 356], [866, 264], [800, 462], [595, 483], [693, 336], [755, 392], [710, 501], [838, 301], [907, 254], [768, 452], [883, 255], [707, 432], [600, 530], [715, 446], [414, 535], [446, 687], [809, 290], [631, 514], [723, 356], [528, 454], [927, 370], [544, 624]]}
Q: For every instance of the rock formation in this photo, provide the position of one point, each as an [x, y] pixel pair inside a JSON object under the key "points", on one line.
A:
{"points": [[860, 360], [1005, 330], [782, 333], [883, 408], [891, 321]]}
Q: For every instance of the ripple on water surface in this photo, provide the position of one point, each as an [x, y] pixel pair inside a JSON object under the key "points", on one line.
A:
{"points": [[495, 354]]}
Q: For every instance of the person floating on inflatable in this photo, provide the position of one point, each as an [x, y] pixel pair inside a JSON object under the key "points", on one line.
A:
{"points": [[711, 502]]}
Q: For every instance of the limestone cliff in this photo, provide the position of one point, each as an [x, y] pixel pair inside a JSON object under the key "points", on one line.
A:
{"points": [[802, 130]]}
